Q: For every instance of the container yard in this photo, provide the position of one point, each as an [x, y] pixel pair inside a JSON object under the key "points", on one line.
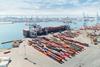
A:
{"points": [[58, 51]]}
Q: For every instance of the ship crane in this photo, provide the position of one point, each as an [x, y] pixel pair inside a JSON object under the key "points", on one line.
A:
{"points": [[67, 22]]}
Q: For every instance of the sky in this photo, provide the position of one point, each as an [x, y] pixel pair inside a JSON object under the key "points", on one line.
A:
{"points": [[49, 7]]}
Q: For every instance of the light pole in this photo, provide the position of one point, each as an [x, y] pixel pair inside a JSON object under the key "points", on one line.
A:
{"points": [[25, 52]]}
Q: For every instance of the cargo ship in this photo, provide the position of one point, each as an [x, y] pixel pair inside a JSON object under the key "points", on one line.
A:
{"points": [[36, 30]]}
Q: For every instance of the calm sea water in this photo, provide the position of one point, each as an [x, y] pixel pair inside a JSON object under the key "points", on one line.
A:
{"points": [[10, 32], [14, 31]]}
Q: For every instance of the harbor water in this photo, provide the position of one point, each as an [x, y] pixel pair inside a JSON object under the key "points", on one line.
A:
{"points": [[10, 32]]}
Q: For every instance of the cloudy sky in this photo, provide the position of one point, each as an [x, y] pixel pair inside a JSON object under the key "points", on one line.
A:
{"points": [[49, 7]]}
